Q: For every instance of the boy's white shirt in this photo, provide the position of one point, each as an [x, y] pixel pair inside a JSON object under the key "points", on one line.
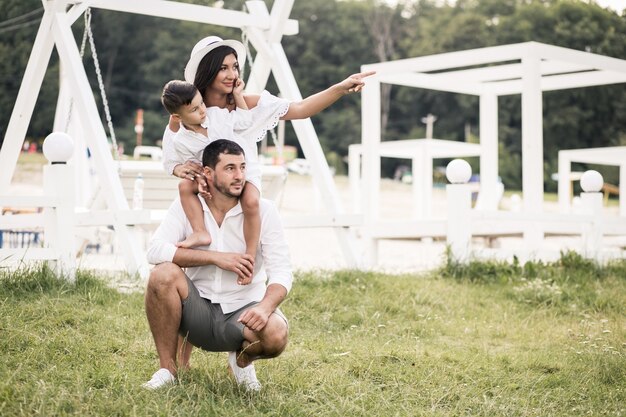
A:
{"points": [[221, 124], [246, 127]]}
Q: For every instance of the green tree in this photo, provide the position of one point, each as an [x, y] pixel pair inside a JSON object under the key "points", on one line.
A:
{"points": [[576, 118], [141, 53], [333, 43], [18, 27]]}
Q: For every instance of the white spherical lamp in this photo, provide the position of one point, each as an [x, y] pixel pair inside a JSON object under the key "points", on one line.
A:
{"points": [[591, 181], [58, 147], [458, 171]]}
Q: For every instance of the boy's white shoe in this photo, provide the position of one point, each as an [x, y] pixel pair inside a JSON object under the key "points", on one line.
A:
{"points": [[244, 376], [161, 378]]}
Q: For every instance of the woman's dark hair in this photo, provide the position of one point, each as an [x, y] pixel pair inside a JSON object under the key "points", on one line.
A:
{"points": [[212, 152], [209, 66]]}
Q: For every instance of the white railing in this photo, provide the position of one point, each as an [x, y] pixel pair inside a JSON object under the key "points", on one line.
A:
{"points": [[56, 220], [56, 214], [590, 228]]}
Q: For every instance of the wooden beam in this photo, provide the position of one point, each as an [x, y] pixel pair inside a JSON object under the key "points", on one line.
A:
{"points": [[85, 107], [26, 100], [191, 13]]}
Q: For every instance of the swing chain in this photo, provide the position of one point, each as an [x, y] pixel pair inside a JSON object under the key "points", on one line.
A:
{"points": [[105, 102], [82, 54], [88, 34], [246, 44], [279, 148]]}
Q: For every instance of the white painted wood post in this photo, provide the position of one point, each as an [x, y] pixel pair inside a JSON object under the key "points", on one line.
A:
{"points": [[488, 152], [26, 99], [354, 175], [565, 184], [370, 165], [459, 200], [532, 144], [422, 170], [59, 186], [622, 190], [95, 137], [591, 198]]}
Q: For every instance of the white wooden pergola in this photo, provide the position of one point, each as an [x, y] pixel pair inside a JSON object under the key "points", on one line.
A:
{"points": [[528, 69], [265, 30]]}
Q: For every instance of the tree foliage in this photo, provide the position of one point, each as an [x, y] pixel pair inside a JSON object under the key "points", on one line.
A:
{"points": [[138, 54]]}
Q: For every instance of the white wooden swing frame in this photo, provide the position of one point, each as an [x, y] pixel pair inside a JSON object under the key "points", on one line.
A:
{"points": [[264, 30]]}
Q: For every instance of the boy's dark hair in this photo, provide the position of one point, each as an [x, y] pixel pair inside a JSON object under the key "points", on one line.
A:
{"points": [[176, 94], [212, 152]]}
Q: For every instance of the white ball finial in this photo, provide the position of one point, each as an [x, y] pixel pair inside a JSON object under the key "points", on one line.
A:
{"points": [[58, 147], [591, 181], [458, 171]]}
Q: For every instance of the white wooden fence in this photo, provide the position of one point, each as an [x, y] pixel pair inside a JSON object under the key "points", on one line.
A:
{"points": [[591, 226], [59, 219]]}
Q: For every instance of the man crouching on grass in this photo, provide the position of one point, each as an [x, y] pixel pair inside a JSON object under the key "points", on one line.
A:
{"points": [[204, 305]]}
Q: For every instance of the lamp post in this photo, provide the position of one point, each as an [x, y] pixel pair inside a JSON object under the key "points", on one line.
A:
{"points": [[58, 148], [459, 196], [58, 184], [591, 198]]}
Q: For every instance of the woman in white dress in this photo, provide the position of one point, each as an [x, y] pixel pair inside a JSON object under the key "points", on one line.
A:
{"points": [[214, 68]]}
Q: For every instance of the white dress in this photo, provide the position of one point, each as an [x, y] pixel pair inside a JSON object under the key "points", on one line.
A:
{"points": [[245, 127]]}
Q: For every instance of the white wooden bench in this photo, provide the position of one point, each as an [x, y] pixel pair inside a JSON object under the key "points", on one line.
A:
{"points": [[610, 155], [160, 189]]}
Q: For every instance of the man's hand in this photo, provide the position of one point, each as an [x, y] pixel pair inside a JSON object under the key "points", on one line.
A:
{"points": [[255, 318], [241, 264]]}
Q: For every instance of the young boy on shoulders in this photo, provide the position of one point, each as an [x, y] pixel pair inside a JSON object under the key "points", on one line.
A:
{"points": [[200, 126]]}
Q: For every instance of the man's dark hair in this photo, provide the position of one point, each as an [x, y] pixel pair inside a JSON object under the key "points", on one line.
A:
{"points": [[176, 94], [212, 152], [210, 65]]}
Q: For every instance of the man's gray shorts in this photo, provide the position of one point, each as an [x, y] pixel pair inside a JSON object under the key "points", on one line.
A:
{"points": [[207, 327]]}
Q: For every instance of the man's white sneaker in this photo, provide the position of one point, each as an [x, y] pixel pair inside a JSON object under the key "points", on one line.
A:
{"points": [[244, 376], [161, 378]]}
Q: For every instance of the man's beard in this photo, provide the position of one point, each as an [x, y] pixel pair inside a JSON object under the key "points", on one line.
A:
{"points": [[225, 189]]}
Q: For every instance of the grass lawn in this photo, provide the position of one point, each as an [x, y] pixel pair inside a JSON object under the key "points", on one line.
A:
{"points": [[487, 339]]}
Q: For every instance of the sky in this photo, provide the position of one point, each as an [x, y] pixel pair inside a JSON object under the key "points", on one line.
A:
{"points": [[617, 5]]}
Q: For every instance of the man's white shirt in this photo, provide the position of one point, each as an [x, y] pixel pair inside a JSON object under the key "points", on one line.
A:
{"points": [[272, 263]]}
